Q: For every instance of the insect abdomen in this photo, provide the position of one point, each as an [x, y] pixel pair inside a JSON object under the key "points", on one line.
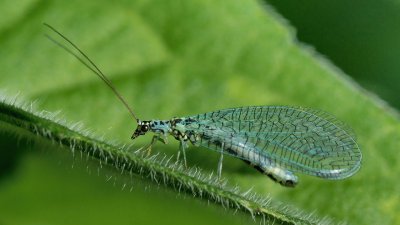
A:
{"points": [[239, 147], [262, 164]]}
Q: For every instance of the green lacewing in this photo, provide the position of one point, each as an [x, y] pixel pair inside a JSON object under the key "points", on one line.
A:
{"points": [[276, 140]]}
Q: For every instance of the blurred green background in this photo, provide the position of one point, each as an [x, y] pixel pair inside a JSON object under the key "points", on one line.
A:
{"points": [[360, 37], [176, 58]]}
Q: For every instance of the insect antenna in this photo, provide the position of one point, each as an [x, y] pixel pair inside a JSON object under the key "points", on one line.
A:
{"points": [[91, 65]]}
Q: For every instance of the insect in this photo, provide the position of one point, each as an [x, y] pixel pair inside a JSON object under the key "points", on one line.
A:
{"points": [[276, 140]]}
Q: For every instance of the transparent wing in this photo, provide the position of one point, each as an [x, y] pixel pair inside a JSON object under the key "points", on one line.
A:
{"points": [[298, 139]]}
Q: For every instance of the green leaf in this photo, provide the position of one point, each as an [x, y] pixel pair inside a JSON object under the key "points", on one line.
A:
{"points": [[180, 58], [129, 162]]}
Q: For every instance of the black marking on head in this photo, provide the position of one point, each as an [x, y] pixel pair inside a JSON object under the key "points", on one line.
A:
{"points": [[141, 129]]}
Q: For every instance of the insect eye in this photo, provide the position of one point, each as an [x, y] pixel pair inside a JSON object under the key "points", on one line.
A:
{"points": [[145, 128]]}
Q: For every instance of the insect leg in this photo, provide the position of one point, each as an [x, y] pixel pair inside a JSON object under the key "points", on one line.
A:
{"points": [[153, 141], [177, 156], [182, 146], [219, 169]]}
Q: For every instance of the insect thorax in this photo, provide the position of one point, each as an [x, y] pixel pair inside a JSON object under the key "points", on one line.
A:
{"points": [[160, 126], [176, 127], [179, 129]]}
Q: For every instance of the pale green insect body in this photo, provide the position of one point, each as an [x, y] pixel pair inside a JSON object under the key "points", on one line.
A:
{"points": [[276, 140]]}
